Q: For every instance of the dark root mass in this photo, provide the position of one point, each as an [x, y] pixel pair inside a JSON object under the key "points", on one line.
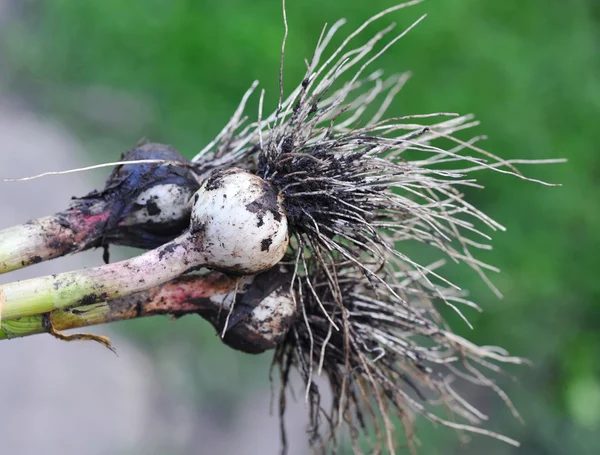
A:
{"points": [[391, 359]]}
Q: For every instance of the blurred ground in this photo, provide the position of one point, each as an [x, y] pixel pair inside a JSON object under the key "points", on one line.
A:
{"points": [[109, 401]]}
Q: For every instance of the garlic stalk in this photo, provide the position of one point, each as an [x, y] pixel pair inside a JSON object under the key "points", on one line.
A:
{"points": [[262, 324]]}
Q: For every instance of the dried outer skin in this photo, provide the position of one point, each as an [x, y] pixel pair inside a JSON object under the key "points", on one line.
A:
{"points": [[262, 315], [148, 202]]}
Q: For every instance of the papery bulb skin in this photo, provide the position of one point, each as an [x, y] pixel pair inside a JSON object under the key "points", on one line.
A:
{"points": [[147, 202]]}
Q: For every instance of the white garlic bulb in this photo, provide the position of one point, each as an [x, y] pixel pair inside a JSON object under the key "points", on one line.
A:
{"points": [[242, 221]]}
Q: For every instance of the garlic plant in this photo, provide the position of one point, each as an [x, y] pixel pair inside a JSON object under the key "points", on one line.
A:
{"points": [[238, 225]]}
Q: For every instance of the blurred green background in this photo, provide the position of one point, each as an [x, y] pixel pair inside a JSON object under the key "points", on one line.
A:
{"points": [[174, 70]]}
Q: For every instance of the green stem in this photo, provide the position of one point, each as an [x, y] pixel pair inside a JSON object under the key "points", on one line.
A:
{"points": [[108, 282], [185, 295]]}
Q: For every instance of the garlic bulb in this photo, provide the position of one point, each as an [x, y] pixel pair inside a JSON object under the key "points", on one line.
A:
{"points": [[242, 221], [160, 206]]}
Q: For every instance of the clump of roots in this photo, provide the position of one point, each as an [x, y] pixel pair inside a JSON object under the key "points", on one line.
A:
{"points": [[356, 187], [391, 358]]}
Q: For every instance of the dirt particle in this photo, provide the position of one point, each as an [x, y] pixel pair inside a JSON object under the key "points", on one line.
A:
{"points": [[153, 208], [266, 244], [89, 299], [168, 250], [214, 182], [268, 202]]}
